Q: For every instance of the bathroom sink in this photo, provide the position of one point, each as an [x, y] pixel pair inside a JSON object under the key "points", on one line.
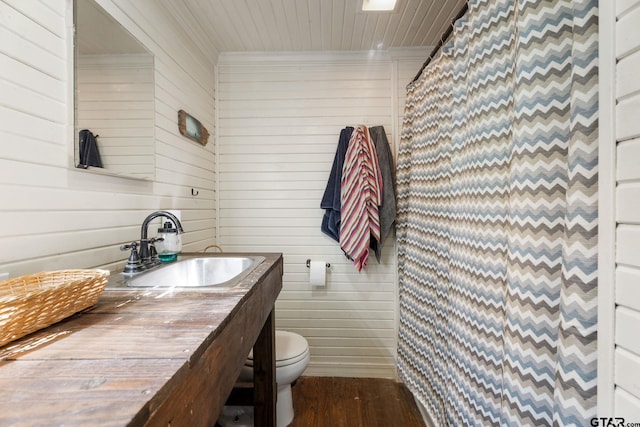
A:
{"points": [[221, 272]]}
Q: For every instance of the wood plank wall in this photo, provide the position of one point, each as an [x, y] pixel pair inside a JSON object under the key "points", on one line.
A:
{"points": [[56, 217], [627, 274], [279, 121]]}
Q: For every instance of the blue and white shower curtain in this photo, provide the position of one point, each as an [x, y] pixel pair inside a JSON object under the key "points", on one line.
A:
{"points": [[497, 219]]}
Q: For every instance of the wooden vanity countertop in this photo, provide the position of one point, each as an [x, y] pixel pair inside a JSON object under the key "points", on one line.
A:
{"points": [[139, 357]]}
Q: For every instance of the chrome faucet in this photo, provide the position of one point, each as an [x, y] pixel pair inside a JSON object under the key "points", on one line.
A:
{"points": [[146, 257]]}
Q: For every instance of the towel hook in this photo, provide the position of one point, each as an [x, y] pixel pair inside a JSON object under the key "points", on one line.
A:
{"points": [[194, 192]]}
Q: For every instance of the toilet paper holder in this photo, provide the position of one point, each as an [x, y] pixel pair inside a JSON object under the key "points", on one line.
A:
{"points": [[309, 263]]}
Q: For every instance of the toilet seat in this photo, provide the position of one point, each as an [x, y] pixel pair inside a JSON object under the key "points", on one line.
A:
{"points": [[290, 349]]}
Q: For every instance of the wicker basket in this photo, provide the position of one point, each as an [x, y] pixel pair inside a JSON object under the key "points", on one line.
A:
{"points": [[29, 303]]}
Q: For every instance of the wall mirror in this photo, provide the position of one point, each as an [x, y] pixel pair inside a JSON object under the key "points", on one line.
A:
{"points": [[114, 93]]}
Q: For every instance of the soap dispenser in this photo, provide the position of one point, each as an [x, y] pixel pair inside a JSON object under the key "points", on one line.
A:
{"points": [[170, 244]]}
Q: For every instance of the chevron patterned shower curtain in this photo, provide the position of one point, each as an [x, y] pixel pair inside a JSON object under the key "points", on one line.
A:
{"points": [[497, 219]]}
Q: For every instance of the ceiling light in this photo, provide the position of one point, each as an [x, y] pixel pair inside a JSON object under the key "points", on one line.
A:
{"points": [[378, 5]]}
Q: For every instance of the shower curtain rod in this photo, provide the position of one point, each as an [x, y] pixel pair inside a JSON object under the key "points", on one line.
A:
{"points": [[443, 39]]}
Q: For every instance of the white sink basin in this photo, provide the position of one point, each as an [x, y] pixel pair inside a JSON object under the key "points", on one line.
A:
{"points": [[219, 272]]}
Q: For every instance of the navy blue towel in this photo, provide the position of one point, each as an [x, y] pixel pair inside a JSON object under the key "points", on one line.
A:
{"points": [[331, 198]]}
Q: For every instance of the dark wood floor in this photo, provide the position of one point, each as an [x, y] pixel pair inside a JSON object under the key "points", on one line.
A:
{"points": [[353, 402]]}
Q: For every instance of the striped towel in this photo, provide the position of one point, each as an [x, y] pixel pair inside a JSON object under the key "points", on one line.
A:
{"points": [[360, 196]]}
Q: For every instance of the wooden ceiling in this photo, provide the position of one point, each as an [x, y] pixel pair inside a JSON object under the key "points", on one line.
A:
{"points": [[219, 26]]}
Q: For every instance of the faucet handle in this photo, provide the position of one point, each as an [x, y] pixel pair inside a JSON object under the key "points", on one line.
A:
{"points": [[132, 245], [133, 262], [153, 253]]}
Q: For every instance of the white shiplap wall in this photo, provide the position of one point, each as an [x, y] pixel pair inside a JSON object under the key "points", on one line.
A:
{"points": [[625, 128], [55, 217], [279, 121]]}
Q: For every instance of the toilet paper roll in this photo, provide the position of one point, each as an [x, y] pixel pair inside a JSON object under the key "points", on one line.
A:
{"points": [[318, 273]]}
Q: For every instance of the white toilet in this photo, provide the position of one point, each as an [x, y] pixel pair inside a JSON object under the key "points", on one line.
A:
{"points": [[292, 358]]}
